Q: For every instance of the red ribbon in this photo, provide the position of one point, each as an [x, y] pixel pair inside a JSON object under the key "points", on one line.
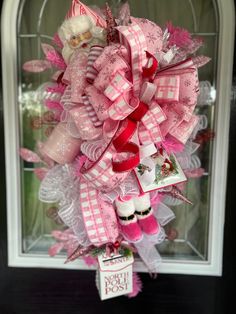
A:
{"points": [[150, 71], [121, 142]]}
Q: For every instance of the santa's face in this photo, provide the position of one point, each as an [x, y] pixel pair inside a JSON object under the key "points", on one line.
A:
{"points": [[79, 40], [79, 32]]}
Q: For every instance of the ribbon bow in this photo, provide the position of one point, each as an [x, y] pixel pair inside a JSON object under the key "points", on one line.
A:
{"points": [[143, 104]]}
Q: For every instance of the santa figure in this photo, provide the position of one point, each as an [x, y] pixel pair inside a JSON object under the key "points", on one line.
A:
{"points": [[82, 29]]}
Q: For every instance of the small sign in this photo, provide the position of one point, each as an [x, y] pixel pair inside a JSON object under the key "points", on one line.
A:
{"points": [[159, 171], [115, 275]]}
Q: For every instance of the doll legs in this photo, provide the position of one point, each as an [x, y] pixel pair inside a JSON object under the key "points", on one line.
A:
{"points": [[136, 215], [144, 213], [128, 220]]}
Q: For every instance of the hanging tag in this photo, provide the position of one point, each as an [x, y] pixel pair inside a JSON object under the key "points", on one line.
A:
{"points": [[158, 171], [115, 275]]}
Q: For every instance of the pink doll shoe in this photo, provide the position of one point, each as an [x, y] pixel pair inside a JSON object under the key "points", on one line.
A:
{"points": [[128, 221], [147, 222], [132, 230]]}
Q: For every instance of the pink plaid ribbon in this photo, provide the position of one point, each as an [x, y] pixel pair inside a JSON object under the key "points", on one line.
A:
{"points": [[122, 107], [151, 121], [118, 85], [148, 90], [188, 83], [133, 39], [167, 89], [99, 217], [101, 175], [184, 130], [144, 135]]}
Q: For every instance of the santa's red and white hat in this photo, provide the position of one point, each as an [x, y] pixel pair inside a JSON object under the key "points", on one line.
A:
{"points": [[78, 8]]}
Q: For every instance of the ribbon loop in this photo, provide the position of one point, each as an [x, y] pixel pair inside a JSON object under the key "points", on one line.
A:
{"points": [[134, 40], [152, 64], [140, 112]]}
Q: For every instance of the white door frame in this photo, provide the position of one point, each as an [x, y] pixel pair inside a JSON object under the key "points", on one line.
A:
{"points": [[220, 154]]}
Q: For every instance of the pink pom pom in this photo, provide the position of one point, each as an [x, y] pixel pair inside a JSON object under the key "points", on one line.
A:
{"points": [[89, 260], [137, 286]]}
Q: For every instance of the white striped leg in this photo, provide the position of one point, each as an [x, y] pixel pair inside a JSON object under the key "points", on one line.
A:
{"points": [[143, 206], [91, 72], [125, 211], [91, 112]]}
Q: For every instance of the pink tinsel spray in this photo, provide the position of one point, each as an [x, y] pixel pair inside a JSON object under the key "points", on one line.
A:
{"points": [[57, 41], [56, 60], [89, 260], [171, 145], [53, 105], [178, 36], [40, 173], [137, 286], [29, 155], [65, 240], [59, 88], [53, 56]]}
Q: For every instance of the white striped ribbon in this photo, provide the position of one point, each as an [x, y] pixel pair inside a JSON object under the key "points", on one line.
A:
{"points": [[91, 112], [91, 72]]}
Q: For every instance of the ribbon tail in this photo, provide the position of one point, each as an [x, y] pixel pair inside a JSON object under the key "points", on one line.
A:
{"points": [[149, 255], [163, 214]]}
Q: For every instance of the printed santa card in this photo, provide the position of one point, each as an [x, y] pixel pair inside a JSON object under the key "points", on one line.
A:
{"points": [[158, 171]]}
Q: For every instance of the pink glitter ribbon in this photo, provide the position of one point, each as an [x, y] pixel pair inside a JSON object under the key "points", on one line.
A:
{"points": [[61, 146]]}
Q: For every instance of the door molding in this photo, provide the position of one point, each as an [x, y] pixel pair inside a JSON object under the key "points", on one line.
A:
{"points": [[218, 188]]}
